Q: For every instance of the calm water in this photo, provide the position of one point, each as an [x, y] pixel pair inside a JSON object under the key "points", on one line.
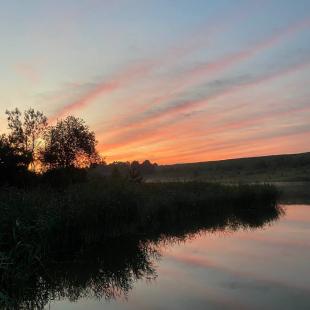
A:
{"points": [[265, 268]]}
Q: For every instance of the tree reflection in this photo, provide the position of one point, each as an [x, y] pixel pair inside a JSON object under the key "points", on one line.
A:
{"points": [[110, 269]]}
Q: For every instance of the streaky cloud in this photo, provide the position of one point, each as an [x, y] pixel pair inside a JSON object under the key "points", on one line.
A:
{"points": [[155, 110], [123, 78], [228, 88]]}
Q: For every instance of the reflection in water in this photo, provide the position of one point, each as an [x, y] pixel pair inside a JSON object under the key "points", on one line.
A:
{"points": [[110, 269]]}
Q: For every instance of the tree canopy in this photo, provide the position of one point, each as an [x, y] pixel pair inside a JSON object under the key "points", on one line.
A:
{"points": [[69, 143], [26, 132]]}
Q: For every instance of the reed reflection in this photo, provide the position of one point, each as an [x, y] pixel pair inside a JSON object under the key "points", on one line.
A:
{"points": [[108, 269]]}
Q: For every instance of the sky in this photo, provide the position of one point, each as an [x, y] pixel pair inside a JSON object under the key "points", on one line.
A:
{"points": [[171, 81]]}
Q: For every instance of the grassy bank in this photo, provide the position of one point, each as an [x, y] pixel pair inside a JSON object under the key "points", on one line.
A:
{"points": [[118, 207], [44, 230]]}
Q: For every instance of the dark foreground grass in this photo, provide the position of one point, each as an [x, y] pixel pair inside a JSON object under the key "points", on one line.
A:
{"points": [[43, 227], [43, 216]]}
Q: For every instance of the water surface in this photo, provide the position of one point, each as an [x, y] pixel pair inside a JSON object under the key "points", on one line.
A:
{"points": [[261, 268]]}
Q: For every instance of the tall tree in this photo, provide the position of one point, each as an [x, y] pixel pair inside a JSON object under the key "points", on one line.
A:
{"points": [[68, 144], [26, 131]]}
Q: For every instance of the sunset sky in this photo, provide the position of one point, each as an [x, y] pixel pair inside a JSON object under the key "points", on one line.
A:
{"points": [[166, 80]]}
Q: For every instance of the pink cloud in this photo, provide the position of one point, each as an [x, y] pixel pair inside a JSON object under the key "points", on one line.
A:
{"points": [[127, 76], [139, 132], [210, 69]]}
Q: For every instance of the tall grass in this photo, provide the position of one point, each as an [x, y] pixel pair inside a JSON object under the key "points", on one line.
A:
{"points": [[112, 208]]}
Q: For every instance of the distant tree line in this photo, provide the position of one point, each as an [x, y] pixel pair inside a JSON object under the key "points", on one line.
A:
{"points": [[134, 170]]}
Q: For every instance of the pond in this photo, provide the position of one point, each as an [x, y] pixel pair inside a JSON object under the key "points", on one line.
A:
{"points": [[264, 267]]}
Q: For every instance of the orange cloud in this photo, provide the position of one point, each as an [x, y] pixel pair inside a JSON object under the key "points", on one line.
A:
{"points": [[222, 140], [137, 132]]}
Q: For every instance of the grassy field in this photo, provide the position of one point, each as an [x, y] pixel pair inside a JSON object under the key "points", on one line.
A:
{"points": [[278, 168]]}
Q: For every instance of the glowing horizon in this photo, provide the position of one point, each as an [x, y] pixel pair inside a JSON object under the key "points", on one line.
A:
{"points": [[165, 82]]}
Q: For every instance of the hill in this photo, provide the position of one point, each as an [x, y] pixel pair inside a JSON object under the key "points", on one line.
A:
{"points": [[275, 168]]}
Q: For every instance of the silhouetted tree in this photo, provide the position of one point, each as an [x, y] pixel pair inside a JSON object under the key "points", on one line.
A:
{"points": [[144, 168], [135, 176], [147, 167], [135, 172], [13, 162], [26, 132], [69, 143], [135, 165]]}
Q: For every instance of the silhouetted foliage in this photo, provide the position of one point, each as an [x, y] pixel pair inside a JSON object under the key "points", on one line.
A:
{"points": [[26, 132], [133, 171], [13, 163], [69, 143], [135, 175], [32, 145], [147, 167], [62, 178]]}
